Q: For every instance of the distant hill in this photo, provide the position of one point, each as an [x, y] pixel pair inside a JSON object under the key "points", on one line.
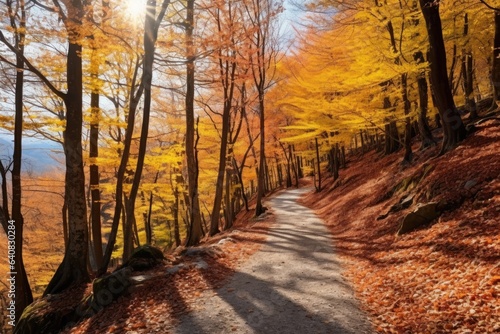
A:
{"points": [[38, 155]]}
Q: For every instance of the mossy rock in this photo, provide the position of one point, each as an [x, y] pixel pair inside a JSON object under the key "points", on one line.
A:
{"points": [[149, 252], [37, 319], [144, 258]]}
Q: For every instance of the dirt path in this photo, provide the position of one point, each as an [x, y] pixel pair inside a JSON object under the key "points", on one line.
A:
{"points": [[292, 285]]}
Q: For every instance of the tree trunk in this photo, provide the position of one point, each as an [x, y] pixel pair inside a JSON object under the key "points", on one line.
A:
{"points": [[95, 193], [407, 107], [151, 26], [150, 35], [175, 213], [336, 163], [228, 88], [453, 127], [495, 68], [135, 97], [24, 296], [295, 163], [73, 269], [5, 197], [391, 131], [468, 74], [318, 189], [148, 223], [195, 232], [259, 208], [423, 125], [288, 173], [228, 219], [300, 172]]}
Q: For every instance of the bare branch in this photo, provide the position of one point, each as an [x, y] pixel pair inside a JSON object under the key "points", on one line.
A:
{"points": [[31, 67]]}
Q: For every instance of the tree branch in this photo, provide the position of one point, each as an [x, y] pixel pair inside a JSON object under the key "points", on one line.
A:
{"points": [[489, 6], [32, 68]]}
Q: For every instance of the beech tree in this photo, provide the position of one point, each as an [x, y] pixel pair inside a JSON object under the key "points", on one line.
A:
{"points": [[263, 58], [195, 232], [151, 26], [454, 129], [226, 19], [17, 18], [73, 268]]}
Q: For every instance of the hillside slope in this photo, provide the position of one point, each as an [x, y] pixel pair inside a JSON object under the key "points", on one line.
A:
{"points": [[442, 278]]}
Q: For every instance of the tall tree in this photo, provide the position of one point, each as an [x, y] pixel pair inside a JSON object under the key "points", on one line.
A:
{"points": [[467, 72], [195, 232], [262, 14], [136, 91], [17, 17], [226, 56], [151, 26], [454, 129], [96, 46], [73, 268]]}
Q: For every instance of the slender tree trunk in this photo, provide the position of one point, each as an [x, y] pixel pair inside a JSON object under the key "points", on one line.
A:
{"points": [[95, 193], [471, 102], [177, 234], [195, 229], [228, 71], [407, 109], [318, 189], [454, 129], [239, 170], [151, 26], [148, 223], [495, 68], [147, 77], [120, 176], [295, 163], [336, 162], [24, 296], [300, 172], [468, 74], [288, 174], [423, 125], [259, 208], [5, 215], [391, 131], [452, 69], [228, 219]]}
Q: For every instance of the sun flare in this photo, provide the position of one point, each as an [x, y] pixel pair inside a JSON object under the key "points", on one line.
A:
{"points": [[136, 8]]}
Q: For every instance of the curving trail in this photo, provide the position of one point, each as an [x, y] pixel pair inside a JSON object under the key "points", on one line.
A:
{"points": [[292, 285]]}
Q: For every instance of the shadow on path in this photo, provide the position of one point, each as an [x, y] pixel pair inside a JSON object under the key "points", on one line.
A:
{"points": [[292, 285]]}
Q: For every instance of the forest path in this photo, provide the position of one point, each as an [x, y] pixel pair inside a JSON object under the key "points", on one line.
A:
{"points": [[293, 284]]}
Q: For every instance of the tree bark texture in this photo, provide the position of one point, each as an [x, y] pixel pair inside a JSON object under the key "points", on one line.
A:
{"points": [[453, 127]]}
